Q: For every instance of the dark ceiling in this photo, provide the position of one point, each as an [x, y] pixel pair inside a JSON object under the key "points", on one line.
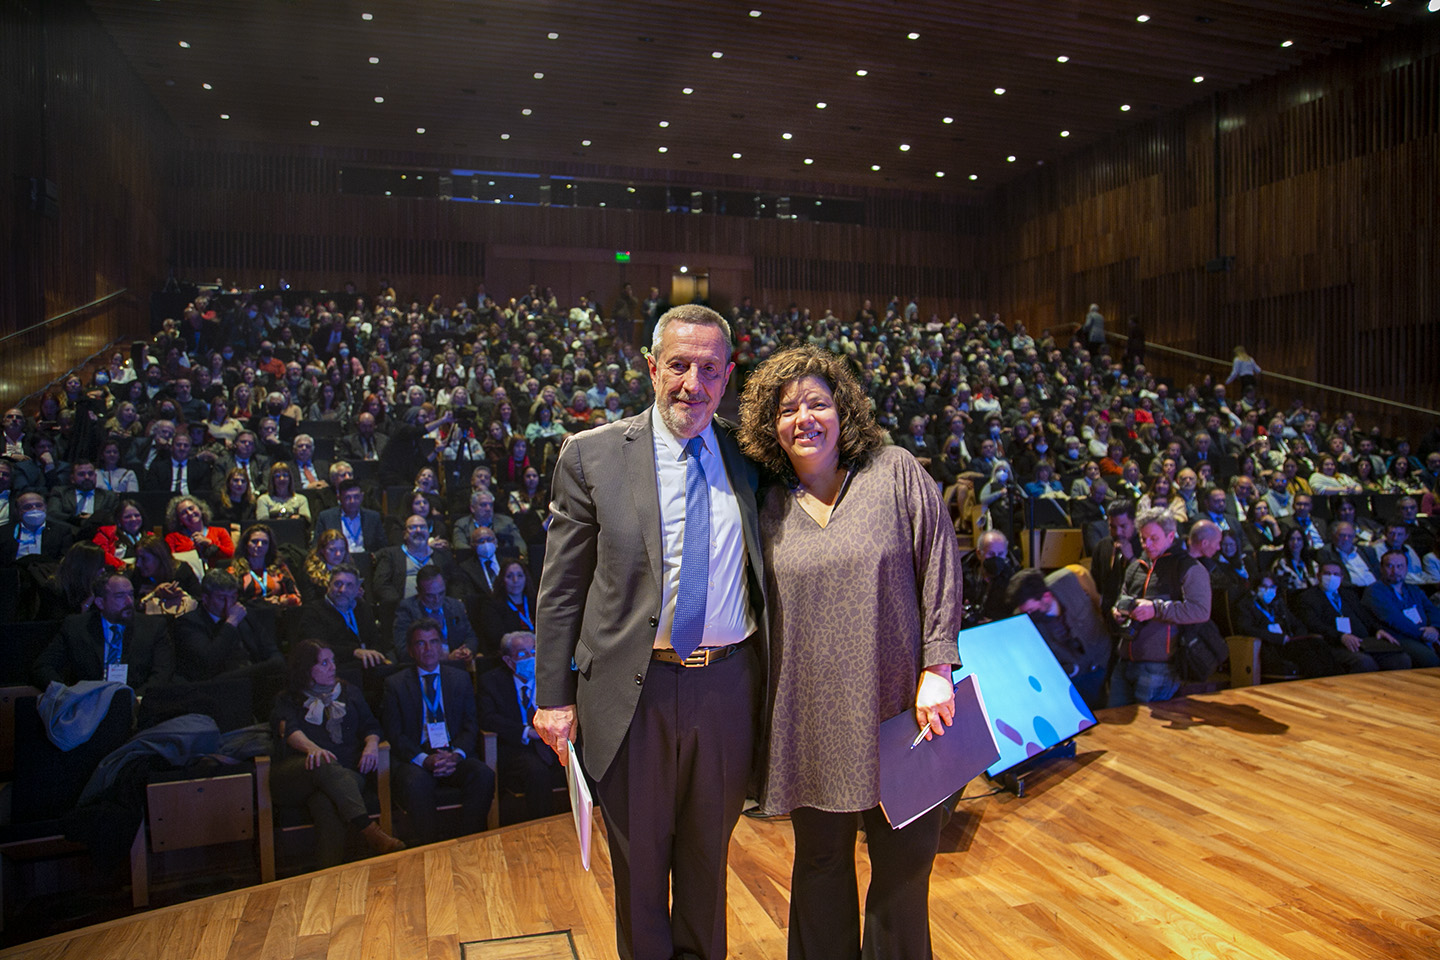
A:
{"points": [[595, 82]]}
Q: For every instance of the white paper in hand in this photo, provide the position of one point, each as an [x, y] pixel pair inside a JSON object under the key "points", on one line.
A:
{"points": [[580, 802]]}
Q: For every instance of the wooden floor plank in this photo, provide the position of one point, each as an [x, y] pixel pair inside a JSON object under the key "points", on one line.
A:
{"points": [[1284, 822]]}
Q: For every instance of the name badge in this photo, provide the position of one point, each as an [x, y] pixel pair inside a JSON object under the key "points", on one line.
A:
{"points": [[1412, 614], [1275, 628], [117, 672], [1342, 624], [439, 736]]}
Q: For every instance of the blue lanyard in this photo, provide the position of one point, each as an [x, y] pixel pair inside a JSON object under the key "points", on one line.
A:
{"points": [[523, 610], [1268, 615], [434, 709]]}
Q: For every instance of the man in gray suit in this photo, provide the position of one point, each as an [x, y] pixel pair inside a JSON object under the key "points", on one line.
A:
{"points": [[653, 588], [1070, 623]]}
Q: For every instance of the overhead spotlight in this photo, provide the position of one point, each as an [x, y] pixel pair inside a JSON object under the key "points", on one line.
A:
{"points": [[1143, 18], [999, 91], [367, 16], [539, 75], [821, 105], [374, 60], [504, 136], [664, 123], [526, 112], [717, 54], [1124, 108], [379, 99], [553, 36], [862, 73], [1433, 6], [974, 176], [687, 90], [224, 116], [584, 143], [786, 136], [734, 156], [663, 149], [874, 166], [904, 147], [207, 86], [809, 160], [1062, 59], [754, 13], [1064, 133], [1010, 159], [939, 173], [947, 120], [314, 123], [1199, 79], [419, 129], [913, 36], [185, 44]]}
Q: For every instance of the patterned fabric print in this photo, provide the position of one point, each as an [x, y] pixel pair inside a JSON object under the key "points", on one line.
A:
{"points": [[857, 609]]}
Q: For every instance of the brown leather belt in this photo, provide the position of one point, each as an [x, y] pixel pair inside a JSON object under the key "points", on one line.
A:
{"points": [[700, 658]]}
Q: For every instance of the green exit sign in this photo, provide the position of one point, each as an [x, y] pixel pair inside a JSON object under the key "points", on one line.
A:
{"points": [[622, 256]]}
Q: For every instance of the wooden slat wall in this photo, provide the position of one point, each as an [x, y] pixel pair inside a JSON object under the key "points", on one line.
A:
{"points": [[250, 214], [74, 113], [1330, 193]]}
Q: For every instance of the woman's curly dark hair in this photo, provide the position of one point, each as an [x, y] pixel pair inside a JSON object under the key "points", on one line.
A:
{"points": [[860, 435]]}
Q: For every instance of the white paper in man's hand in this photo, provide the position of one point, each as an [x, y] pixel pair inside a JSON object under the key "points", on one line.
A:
{"points": [[580, 802]]}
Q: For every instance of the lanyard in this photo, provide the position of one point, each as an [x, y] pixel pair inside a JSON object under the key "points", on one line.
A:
{"points": [[1268, 615], [523, 610], [434, 708]]}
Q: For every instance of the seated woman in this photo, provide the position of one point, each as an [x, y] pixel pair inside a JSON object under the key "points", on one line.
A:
{"points": [[163, 585], [329, 551], [1295, 568], [125, 424], [69, 589], [1162, 496], [110, 475], [121, 539], [516, 461], [1128, 484], [1264, 533], [327, 405], [264, 576], [1328, 481], [188, 529], [221, 427], [512, 606], [1364, 472], [281, 500], [530, 506], [428, 481], [993, 515], [1401, 479], [236, 505], [1045, 484], [327, 740]]}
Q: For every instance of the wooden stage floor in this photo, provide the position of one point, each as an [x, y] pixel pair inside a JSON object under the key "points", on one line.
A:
{"points": [[1297, 820]]}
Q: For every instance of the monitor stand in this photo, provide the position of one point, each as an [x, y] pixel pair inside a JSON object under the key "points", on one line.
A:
{"points": [[1014, 778]]}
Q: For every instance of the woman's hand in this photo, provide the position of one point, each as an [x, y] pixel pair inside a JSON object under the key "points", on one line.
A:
{"points": [[316, 757], [370, 756], [935, 700]]}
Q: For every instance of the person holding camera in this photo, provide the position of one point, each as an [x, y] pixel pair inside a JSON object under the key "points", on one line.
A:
{"points": [[1165, 590]]}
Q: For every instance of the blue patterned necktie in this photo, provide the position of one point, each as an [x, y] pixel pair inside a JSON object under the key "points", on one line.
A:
{"points": [[114, 648], [689, 626]]}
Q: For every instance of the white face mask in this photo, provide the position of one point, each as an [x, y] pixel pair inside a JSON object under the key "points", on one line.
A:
{"points": [[485, 550], [33, 519], [1329, 582]]}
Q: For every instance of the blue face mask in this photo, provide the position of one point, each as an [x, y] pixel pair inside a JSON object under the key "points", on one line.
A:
{"points": [[525, 669], [1266, 595]]}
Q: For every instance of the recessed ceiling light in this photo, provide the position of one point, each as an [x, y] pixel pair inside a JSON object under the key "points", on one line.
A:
{"points": [[584, 143], [874, 166], [379, 99], [1199, 79], [419, 129], [786, 136], [629, 189], [913, 36], [754, 13], [207, 86], [809, 160], [1010, 159], [939, 173], [1288, 43], [504, 136], [374, 59], [734, 156], [1143, 18], [553, 36], [948, 120], [999, 91], [664, 123], [539, 75], [1062, 59], [821, 105], [602, 203], [314, 123], [367, 16], [862, 73], [974, 176], [687, 90], [224, 116], [404, 176], [185, 44], [1064, 133], [526, 112], [663, 149], [387, 193], [904, 147], [716, 54], [1124, 108]]}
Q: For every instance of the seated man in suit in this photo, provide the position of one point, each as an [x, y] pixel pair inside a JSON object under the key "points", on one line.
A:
{"points": [[1360, 570], [507, 705], [180, 473], [346, 622], [1070, 623], [1311, 527], [1091, 514], [922, 446], [81, 504], [31, 536], [1397, 539], [482, 514], [431, 722], [430, 601], [109, 642], [221, 638], [393, 578], [363, 528], [365, 443], [310, 474], [1404, 610], [246, 456], [1329, 612], [150, 449]]}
